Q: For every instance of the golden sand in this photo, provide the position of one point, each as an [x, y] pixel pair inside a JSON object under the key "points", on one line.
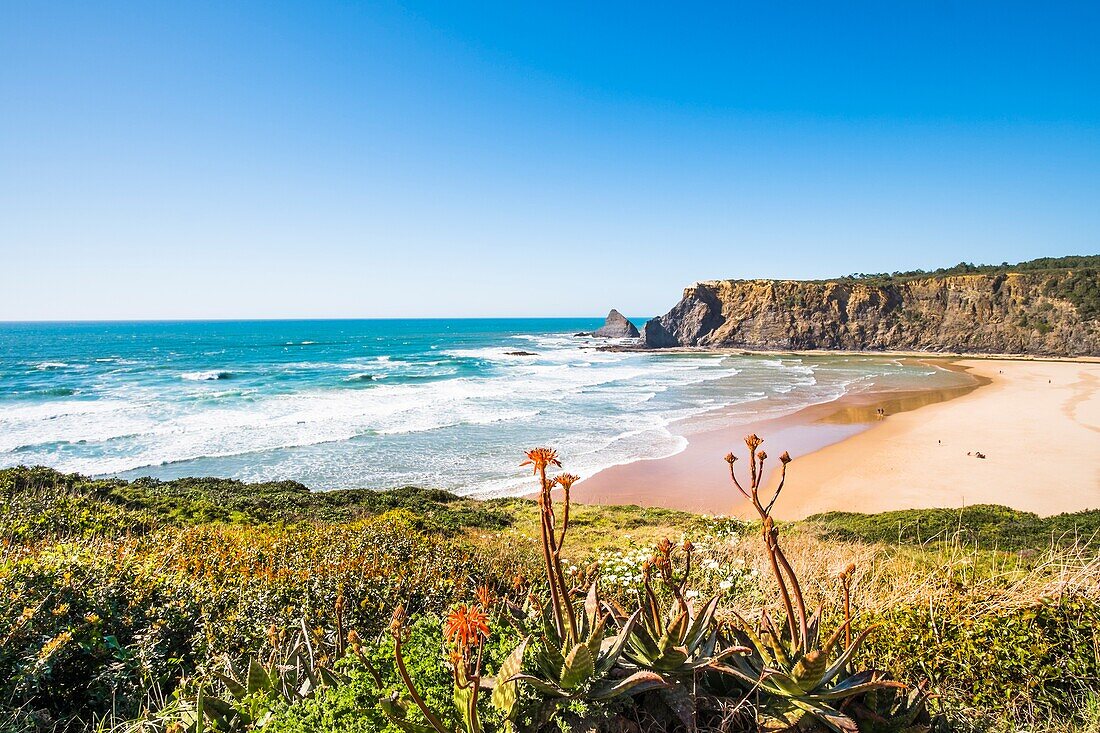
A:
{"points": [[1036, 422]]}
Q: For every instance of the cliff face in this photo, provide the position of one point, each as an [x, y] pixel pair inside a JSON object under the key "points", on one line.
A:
{"points": [[1008, 313]]}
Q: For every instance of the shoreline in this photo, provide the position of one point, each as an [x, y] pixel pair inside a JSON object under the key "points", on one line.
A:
{"points": [[953, 356], [847, 458]]}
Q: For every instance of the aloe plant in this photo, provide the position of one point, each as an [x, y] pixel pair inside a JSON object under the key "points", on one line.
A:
{"points": [[893, 711], [580, 667], [680, 641], [256, 689], [578, 645], [790, 667], [802, 678]]}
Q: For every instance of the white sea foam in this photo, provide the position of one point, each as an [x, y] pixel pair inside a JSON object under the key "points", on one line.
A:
{"points": [[415, 420], [206, 376]]}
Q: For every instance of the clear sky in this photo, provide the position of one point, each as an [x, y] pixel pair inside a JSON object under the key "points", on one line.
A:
{"points": [[233, 159]]}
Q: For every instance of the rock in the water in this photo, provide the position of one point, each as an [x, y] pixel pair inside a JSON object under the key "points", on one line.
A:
{"points": [[616, 327]]}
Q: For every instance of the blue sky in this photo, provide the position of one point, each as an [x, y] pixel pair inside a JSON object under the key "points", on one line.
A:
{"points": [[162, 160]]}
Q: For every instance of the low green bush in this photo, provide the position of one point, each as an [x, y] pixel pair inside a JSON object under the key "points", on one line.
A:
{"points": [[41, 500], [985, 526], [993, 666]]}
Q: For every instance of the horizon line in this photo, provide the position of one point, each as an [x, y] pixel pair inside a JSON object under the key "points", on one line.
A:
{"points": [[262, 319]]}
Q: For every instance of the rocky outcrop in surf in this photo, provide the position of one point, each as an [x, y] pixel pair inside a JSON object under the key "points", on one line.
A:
{"points": [[1043, 312], [617, 326]]}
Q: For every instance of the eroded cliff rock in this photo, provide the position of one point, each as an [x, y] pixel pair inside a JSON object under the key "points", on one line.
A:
{"points": [[617, 326], [1006, 313]]}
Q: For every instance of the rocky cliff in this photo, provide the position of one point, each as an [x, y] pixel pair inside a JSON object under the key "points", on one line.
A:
{"points": [[1039, 312]]}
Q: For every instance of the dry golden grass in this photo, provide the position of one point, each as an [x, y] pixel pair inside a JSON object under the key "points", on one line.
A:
{"points": [[887, 576]]}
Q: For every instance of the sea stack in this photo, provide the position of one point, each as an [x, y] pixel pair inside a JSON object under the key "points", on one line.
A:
{"points": [[617, 327]]}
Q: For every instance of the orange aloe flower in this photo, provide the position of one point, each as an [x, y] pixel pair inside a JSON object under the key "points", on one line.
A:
{"points": [[464, 625], [541, 458], [566, 480]]}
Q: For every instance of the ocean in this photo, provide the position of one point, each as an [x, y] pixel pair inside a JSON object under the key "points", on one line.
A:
{"points": [[382, 403]]}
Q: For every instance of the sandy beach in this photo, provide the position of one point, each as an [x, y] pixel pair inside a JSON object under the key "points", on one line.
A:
{"points": [[1036, 422]]}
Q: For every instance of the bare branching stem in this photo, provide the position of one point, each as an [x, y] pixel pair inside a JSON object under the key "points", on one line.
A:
{"points": [[796, 591], [784, 574], [399, 659]]}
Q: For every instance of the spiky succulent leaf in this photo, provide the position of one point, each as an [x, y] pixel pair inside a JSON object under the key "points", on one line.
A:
{"points": [[216, 709], [784, 682], [642, 648], [396, 711], [752, 678], [505, 692], [636, 683], [592, 605], [236, 689], [578, 667], [777, 648], [548, 688], [779, 716], [845, 656], [331, 679], [809, 669], [834, 694], [673, 633], [258, 679], [701, 625], [595, 638], [613, 648], [549, 658], [832, 718], [748, 637]]}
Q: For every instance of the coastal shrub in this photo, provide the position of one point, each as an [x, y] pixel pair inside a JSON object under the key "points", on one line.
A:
{"points": [[115, 507], [1081, 288], [86, 629], [1070, 262], [372, 676], [111, 596], [996, 666], [40, 503], [92, 627]]}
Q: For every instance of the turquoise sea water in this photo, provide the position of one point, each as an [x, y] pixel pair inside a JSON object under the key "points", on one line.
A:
{"points": [[379, 403]]}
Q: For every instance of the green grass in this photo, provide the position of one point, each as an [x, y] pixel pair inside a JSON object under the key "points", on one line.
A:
{"points": [[984, 526]]}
